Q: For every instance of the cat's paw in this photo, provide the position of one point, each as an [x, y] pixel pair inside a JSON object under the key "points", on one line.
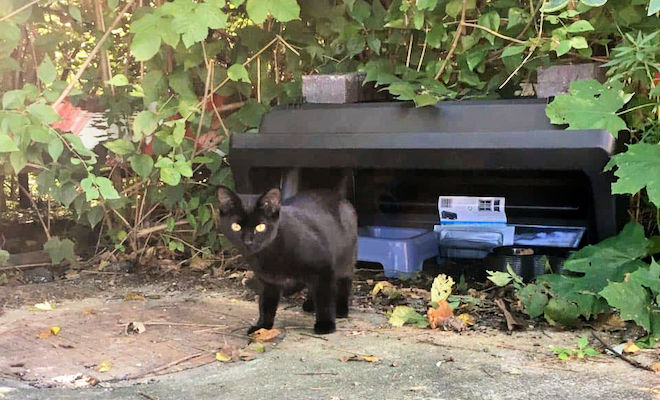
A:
{"points": [[308, 306], [255, 328], [324, 327]]}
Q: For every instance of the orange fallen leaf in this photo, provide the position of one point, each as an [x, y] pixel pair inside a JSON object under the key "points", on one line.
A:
{"points": [[655, 367], [631, 348], [265, 335], [438, 315]]}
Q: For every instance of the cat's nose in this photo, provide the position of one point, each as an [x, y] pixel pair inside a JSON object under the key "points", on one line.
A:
{"points": [[248, 240]]}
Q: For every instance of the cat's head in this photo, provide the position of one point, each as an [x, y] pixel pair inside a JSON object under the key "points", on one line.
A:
{"points": [[249, 223]]}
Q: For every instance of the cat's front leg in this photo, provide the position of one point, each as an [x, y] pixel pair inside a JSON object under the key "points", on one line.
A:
{"points": [[325, 293], [268, 300]]}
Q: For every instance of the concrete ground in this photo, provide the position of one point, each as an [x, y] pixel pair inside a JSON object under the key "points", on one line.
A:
{"points": [[401, 363]]}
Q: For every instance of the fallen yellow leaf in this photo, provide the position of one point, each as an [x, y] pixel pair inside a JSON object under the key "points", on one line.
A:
{"points": [[631, 348], [382, 286], [222, 357], [265, 335], [467, 318], [360, 357], [104, 366], [131, 296], [45, 306], [54, 330]]}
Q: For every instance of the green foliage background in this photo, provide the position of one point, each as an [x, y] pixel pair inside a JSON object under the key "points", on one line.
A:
{"points": [[196, 72]]}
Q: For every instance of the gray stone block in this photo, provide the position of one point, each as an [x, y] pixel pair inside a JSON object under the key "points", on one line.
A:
{"points": [[333, 88], [556, 79]]}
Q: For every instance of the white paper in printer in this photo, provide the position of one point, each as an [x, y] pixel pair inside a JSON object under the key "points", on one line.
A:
{"points": [[466, 210], [475, 219]]}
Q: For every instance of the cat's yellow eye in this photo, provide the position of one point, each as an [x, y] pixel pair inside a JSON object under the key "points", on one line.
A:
{"points": [[235, 227], [260, 228]]}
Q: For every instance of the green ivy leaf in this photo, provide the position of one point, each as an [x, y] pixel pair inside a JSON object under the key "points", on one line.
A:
{"points": [[453, 8], [608, 260], [7, 145], [238, 73], [142, 165], [257, 10], [436, 36], [561, 311], [654, 7], [147, 38], [145, 123], [46, 70], [55, 148], [106, 188], [554, 5], [563, 47], [59, 250], [118, 80], [590, 105], [120, 146], [284, 10], [426, 4], [513, 50], [75, 13], [534, 299], [579, 42], [18, 161], [580, 26], [639, 157], [78, 145], [170, 176], [43, 112], [648, 277], [13, 99], [593, 3], [632, 301], [406, 315], [490, 20], [67, 194], [95, 215]]}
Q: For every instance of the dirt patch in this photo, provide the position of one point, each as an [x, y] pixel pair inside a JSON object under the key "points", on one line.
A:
{"points": [[92, 335]]}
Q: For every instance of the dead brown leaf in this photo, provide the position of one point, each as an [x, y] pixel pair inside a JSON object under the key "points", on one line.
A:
{"points": [[198, 263], [265, 335], [438, 315], [44, 334], [454, 323], [135, 327]]}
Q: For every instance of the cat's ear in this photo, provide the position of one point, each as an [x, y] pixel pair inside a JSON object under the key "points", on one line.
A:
{"points": [[227, 200], [270, 202]]}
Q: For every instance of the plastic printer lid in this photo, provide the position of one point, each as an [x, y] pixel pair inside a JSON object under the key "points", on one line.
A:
{"points": [[500, 134]]}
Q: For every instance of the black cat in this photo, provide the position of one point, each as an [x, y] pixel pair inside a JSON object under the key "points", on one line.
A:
{"points": [[309, 240]]}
